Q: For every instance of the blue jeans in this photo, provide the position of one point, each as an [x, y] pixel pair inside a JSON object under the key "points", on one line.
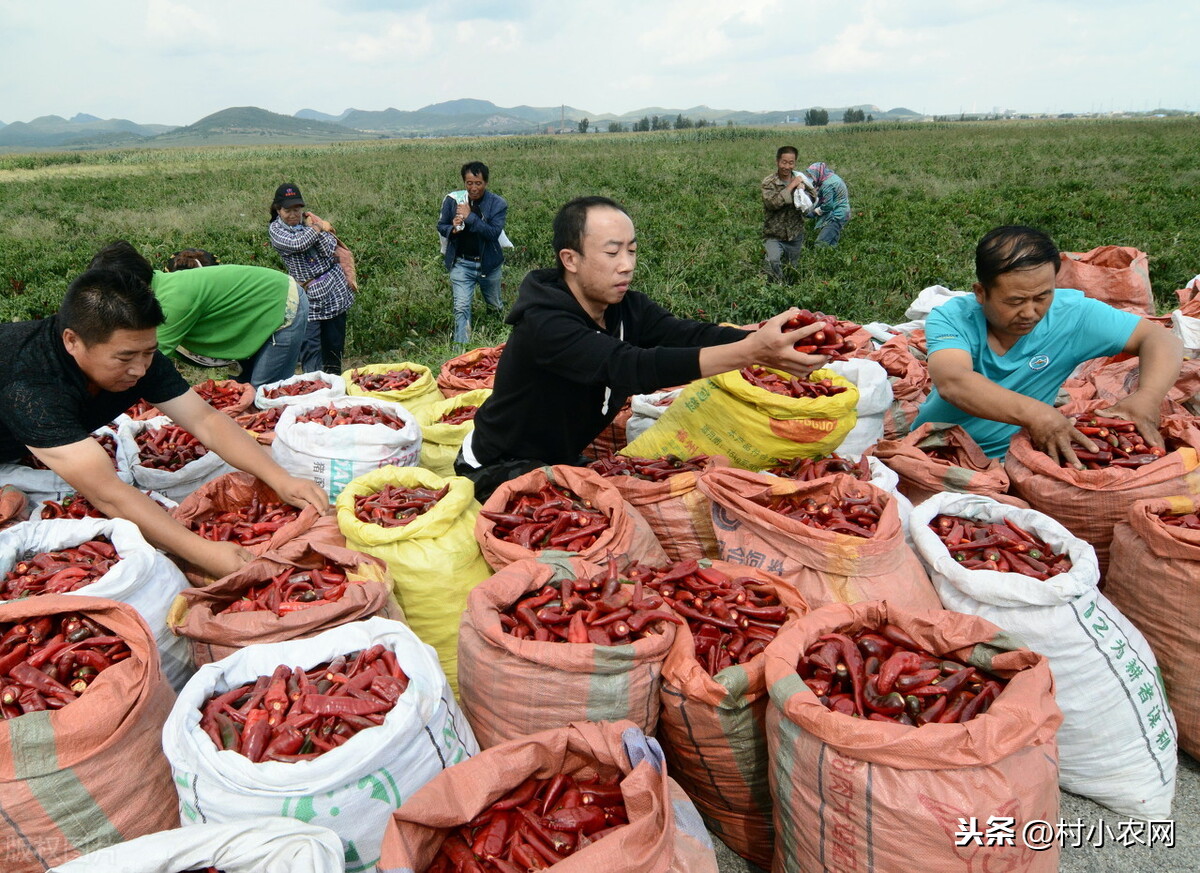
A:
{"points": [[277, 358], [779, 250], [464, 275], [829, 232], [324, 341]]}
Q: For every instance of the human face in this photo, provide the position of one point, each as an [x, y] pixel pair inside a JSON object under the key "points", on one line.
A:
{"points": [[475, 185], [117, 363], [292, 215], [1016, 302], [785, 163], [599, 276]]}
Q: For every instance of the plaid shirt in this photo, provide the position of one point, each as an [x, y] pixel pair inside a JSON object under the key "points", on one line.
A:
{"points": [[781, 219], [308, 257]]}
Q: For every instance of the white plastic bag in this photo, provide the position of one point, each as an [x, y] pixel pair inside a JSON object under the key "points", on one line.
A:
{"points": [[42, 485], [175, 484], [351, 789], [928, 300], [249, 845], [645, 409], [874, 400], [1117, 743], [144, 577], [332, 456], [337, 388]]}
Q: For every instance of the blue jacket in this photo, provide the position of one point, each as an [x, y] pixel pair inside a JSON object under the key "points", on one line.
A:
{"points": [[488, 223]]}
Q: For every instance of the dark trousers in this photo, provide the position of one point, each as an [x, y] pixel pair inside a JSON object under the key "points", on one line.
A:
{"points": [[323, 344]]}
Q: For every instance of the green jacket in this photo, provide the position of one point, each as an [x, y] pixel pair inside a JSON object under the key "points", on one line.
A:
{"points": [[226, 311]]}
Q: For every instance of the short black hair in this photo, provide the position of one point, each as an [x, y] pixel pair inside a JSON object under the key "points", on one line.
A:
{"points": [[571, 222], [786, 150], [477, 168], [102, 301], [188, 259], [123, 257], [1013, 247]]}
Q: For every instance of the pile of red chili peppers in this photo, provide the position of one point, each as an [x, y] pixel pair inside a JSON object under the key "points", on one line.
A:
{"points": [[599, 610], [538, 824], [249, 524], [296, 389], [1187, 521], [292, 590], [883, 675], [220, 395], [77, 506], [650, 469], [789, 386], [395, 505], [1119, 443], [169, 448], [332, 416], [481, 367], [808, 469], [61, 571], [263, 421], [459, 415], [829, 340], [553, 517], [392, 380], [857, 516], [106, 440], [1002, 546], [297, 715], [47, 662]]}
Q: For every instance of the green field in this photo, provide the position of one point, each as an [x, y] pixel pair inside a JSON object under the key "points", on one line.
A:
{"points": [[922, 195]]}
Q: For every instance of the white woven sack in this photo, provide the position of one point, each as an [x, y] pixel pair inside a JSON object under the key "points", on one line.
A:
{"points": [[1117, 743], [644, 411], [42, 485], [174, 484], [351, 789], [332, 456], [874, 400], [886, 479], [144, 577], [250, 845], [337, 388]]}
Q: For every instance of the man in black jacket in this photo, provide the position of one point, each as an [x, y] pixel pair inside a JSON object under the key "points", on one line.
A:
{"points": [[582, 343]]}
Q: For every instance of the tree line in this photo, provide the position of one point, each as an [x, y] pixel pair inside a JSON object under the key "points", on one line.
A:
{"points": [[812, 118]]}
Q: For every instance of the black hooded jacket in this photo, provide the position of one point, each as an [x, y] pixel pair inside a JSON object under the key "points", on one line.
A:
{"points": [[561, 378]]}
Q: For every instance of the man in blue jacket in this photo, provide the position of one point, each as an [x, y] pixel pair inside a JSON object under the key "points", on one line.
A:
{"points": [[472, 226]]}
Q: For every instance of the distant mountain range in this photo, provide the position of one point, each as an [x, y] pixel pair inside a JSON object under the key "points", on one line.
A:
{"points": [[466, 117]]}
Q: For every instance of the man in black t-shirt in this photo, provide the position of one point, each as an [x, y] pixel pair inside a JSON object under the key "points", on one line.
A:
{"points": [[64, 376]]}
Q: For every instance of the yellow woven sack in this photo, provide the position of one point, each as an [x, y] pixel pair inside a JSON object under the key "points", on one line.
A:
{"points": [[753, 427], [440, 442], [414, 398], [433, 560]]}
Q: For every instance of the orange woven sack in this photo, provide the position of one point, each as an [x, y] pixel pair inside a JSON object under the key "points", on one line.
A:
{"points": [[1116, 380], [628, 538], [511, 687], [14, 505], [921, 476], [91, 774], [1116, 275], [677, 511], [661, 837], [848, 790], [1152, 580], [1089, 503], [196, 614], [825, 567], [909, 377], [711, 729], [468, 371]]}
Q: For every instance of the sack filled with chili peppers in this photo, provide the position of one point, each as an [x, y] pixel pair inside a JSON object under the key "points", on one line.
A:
{"points": [[61, 785], [1094, 651], [302, 588], [351, 789], [40, 484], [315, 386], [228, 395], [137, 574], [331, 455], [406, 383], [165, 458], [14, 506], [1152, 580], [433, 560], [750, 425], [241, 508], [645, 409], [576, 766], [903, 359], [711, 726], [511, 687], [1111, 379], [801, 532], [470, 370], [261, 423], [1090, 502], [867, 468], [444, 426], [888, 790], [564, 509], [874, 400], [78, 506], [270, 844], [664, 492], [142, 410]]}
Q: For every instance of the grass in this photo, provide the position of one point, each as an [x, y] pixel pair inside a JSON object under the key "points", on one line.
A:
{"points": [[922, 196]]}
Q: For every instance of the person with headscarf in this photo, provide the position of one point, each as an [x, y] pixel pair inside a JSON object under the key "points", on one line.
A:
{"points": [[834, 202]]}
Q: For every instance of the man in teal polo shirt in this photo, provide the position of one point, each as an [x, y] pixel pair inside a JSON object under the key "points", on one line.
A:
{"points": [[998, 358]]}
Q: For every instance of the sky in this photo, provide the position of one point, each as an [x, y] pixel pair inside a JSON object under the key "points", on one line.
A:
{"points": [[170, 62]]}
